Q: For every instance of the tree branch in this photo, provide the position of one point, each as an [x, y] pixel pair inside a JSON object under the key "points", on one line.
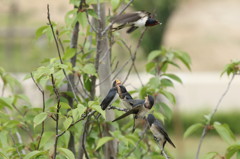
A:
{"points": [[43, 109], [205, 130], [58, 50], [57, 116]]}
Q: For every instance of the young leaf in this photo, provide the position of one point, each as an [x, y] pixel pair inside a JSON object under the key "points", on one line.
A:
{"points": [[152, 55], [5, 102], [103, 140], [210, 155], [89, 69], [39, 118], [77, 112], [40, 31], [167, 110], [193, 128], [115, 4], [67, 123], [231, 150], [67, 153], [169, 96], [224, 131], [33, 154], [69, 53], [174, 77], [99, 110]]}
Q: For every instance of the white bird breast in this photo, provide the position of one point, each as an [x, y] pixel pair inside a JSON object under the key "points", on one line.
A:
{"points": [[141, 22]]}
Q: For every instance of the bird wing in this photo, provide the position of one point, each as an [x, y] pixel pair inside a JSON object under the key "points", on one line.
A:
{"points": [[136, 102], [128, 17], [134, 110], [109, 98], [163, 131]]}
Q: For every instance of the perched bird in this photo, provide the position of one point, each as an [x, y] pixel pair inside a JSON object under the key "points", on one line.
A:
{"points": [[139, 110], [111, 96], [159, 133], [133, 20], [127, 100]]}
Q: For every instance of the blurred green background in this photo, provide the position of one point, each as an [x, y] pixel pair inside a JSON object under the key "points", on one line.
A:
{"points": [[207, 30]]}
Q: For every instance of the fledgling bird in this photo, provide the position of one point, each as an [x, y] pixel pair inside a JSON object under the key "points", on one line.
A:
{"points": [[112, 95], [127, 100], [139, 110], [134, 20], [159, 133]]}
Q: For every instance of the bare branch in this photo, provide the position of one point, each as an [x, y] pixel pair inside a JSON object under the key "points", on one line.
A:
{"points": [[204, 133], [57, 116], [134, 55], [58, 50], [43, 109], [117, 108]]}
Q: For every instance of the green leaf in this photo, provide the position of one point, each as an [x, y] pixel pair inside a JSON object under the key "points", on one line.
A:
{"points": [[152, 55], [115, 4], [67, 153], [3, 155], [89, 69], [67, 123], [150, 67], [6, 102], [99, 110], [39, 118], [47, 139], [238, 154], [154, 82], [167, 110], [224, 131], [69, 53], [184, 58], [231, 150], [102, 141], [77, 112], [193, 128], [166, 82], [174, 77], [40, 31], [169, 96], [33, 154], [92, 13], [210, 155]]}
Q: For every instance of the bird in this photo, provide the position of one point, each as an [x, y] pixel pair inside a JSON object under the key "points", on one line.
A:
{"points": [[112, 95], [139, 110], [159, 133], [134, 20], [126, 98]]}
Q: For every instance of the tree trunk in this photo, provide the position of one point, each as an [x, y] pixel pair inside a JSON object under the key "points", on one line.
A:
{"points": [[103, 57]]}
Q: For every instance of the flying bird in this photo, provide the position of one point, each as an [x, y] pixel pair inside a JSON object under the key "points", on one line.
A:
{"points": [[133, 21], [139, 110], [159, 133], [112, 95]]}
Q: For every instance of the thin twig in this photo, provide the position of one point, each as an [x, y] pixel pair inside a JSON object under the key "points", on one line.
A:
{"points": [[110, 25], [141, 138], [43, 109], [117, 108], [58, 50], [84, 136], [57, 116], [93, 28], [204, 133], [134, 54]]}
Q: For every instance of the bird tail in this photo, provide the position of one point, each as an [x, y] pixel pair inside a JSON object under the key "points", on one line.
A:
{"points": [[170, 142]]}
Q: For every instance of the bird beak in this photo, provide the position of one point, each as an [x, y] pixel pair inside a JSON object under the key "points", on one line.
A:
{"points": [[118, 82]]}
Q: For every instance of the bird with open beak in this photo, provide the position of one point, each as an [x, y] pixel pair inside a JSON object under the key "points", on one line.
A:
{"points": [[139, 110], [112, 95], [134, 20], [158, 131]]}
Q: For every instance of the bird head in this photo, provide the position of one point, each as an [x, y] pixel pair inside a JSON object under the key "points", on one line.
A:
{"points": [[150, 119], [149, 101], [151, 22], [116, 83]]}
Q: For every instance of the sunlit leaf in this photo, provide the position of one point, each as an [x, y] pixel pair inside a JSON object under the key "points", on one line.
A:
{"points": [[166, 109], [67, 153], [99, 110], [102, 141], [231, 150], [89, 69], [5, 101], [152, 55], [33, 154], [115, 4], [193, 128], [39, 118], [174, 77], [224, 131], [210, 155], [40, 31], [69, 53], [67, 123]]}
